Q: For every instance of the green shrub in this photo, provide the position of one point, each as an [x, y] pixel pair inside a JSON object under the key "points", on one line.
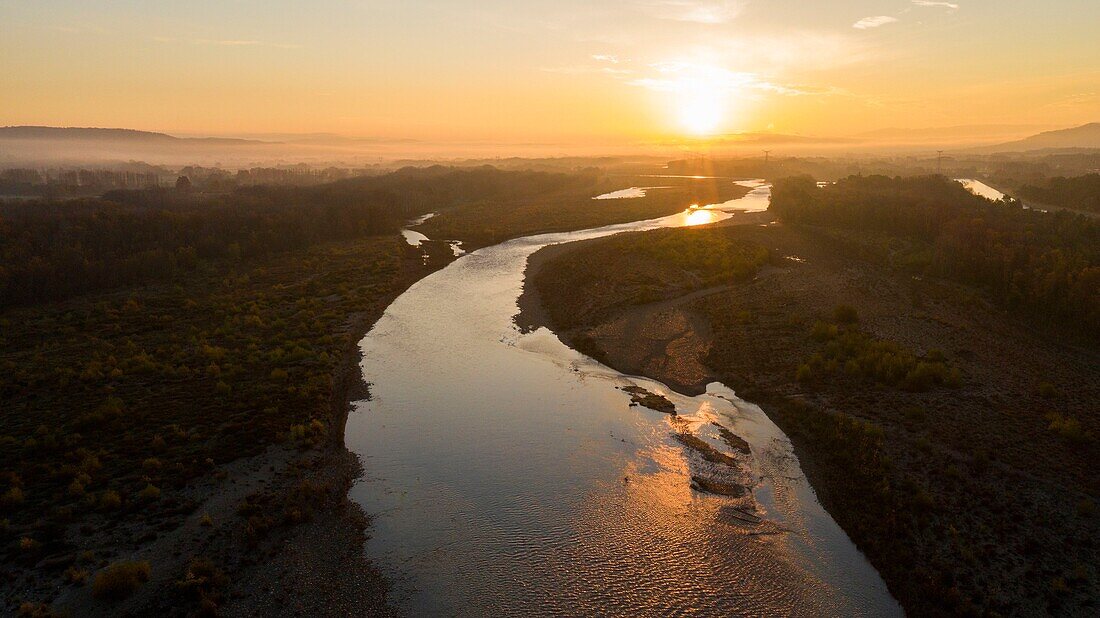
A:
{"points": [[110, 500], [151, 492], [845, 314], [120, 580], [823, 331], [1068, 428], [804, 373], [12, 497]]}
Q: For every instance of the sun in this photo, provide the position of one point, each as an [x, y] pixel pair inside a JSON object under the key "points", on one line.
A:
{"points": [[701, 99], [700, 113]]}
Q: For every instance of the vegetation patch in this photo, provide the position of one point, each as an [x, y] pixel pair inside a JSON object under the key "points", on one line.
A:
{"points": [[120, 579], [845, 348]]}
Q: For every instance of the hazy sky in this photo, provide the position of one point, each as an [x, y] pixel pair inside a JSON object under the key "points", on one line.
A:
{"points": [[548, 70]]}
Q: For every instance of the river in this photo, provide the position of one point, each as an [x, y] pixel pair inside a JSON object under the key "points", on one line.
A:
{"points": [[507, 475], [978, 187]]}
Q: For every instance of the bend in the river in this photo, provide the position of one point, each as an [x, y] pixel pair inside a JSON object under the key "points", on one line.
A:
{"points": [[507, 474]]}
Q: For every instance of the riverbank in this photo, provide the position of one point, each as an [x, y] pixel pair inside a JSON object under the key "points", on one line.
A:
{"points": [[967, 497]]}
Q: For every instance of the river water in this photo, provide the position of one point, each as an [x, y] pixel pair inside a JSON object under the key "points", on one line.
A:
{"points": [[978, 187], [509, 476]]}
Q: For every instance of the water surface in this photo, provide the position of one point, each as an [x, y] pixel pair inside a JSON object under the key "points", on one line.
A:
{"points": [[629, 192], [509, 476], [978, 187]]}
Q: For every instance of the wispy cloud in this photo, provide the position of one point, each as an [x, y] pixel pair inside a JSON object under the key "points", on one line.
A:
{"points": [[697, 11], [874, 22], [678, 76], [606, 58], [937, 3]]}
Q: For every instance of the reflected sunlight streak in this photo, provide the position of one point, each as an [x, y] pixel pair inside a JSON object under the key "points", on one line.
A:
{"points": [[701, 217]]}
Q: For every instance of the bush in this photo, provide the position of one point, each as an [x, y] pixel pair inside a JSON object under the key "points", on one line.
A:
{"points": [[151, 492], [110, 500], [845, 314], [12, 497], [75, 575], [120, 580], [1068, 428], [804, 373], [823, 331], [203, 582]]}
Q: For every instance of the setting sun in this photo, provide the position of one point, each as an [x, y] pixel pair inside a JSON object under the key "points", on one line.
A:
{"points": [[700, 94], [700, 112]]}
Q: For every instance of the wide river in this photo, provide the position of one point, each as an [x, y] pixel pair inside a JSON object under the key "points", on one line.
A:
{"points": [[509, 476]]}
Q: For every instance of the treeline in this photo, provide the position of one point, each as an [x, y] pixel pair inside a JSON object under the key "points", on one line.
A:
{"points": [[1079, 192], [54, 250], [1045, 263]]}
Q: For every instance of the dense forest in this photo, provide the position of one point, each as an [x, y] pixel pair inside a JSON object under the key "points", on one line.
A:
{"points": [[1079, 192], [1045, 264], [51, 251]]}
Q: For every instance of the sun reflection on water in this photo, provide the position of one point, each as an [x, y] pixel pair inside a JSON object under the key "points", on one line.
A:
{"points": [[701, 217]]}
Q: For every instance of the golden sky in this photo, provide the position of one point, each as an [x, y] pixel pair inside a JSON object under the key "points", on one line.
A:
{"points": [[562, 71]]}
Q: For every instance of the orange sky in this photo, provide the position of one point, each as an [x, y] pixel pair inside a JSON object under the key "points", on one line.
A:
{"points": [[564, 71]]}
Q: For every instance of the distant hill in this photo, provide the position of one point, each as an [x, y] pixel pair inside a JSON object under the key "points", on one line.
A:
{"points": [[1084, 136], [34, 146], [959, 134], [90, 134]]}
